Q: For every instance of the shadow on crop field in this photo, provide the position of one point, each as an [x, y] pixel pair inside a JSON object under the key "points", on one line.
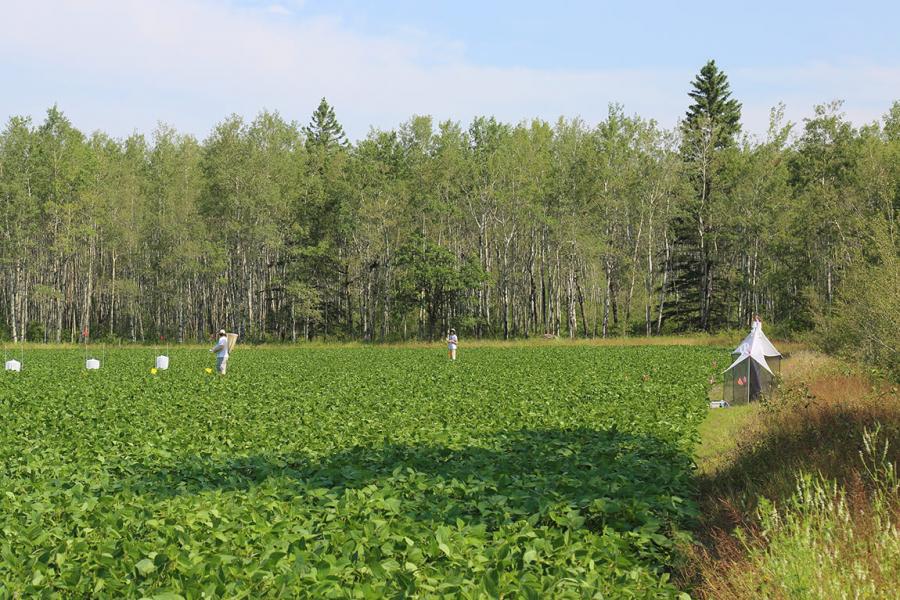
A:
{"points": [[610, 478]]}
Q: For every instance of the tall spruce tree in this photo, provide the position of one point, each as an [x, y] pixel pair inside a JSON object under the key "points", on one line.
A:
{"points": [[323, 214], [713, 106], [709, 130], [323, 130]]}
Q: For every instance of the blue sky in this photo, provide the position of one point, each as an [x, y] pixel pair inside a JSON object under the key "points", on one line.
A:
{"points": [[123, 66], [585, 34]]}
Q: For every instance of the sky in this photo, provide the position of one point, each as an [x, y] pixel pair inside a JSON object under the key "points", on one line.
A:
{"points": [[125, 66]]}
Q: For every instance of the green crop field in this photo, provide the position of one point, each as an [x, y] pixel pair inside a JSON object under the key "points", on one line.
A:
{"points": [[361, 472]]}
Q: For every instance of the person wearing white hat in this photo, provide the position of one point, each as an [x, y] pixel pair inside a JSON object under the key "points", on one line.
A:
{"points": [[221, 350], [452, 343]]}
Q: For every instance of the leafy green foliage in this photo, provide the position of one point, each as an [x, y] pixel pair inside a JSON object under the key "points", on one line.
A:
{"points": [[567, 228], [365, 472], [864, 322], [430, 277]]}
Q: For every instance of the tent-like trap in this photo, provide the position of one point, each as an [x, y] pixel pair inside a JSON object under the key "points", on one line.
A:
{"points": [[754, 369]]}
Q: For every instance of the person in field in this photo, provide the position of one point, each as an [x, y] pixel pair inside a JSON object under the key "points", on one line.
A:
{"points": [[221, 350], [452, 343]]}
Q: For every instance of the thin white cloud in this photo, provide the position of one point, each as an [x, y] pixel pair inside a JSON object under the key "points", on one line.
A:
{"points": [[279, 9], [122, 64]]}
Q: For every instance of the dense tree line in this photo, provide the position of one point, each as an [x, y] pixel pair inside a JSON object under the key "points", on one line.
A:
{"points": [[284, 232]]}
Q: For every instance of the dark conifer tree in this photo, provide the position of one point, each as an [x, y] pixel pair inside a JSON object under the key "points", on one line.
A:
{"points": [[713, 105], [323, 130], [711, 125]]}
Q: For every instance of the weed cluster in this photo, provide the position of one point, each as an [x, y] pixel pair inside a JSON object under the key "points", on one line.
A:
{"points": [[807, 504]]}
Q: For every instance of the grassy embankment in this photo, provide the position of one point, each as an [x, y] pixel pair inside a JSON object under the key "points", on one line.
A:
{"points": [[800, 495]]}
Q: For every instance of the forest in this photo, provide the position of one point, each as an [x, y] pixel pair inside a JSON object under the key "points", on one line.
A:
{"points": [[283, 231]]}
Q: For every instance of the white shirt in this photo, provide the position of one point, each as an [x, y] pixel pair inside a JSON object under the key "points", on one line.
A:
{"points": [[223, 343], [452, 341]]}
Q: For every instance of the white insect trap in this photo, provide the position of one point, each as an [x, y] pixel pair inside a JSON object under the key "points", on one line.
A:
{"points": [[162, 362], [92, 364], [13, 365]]}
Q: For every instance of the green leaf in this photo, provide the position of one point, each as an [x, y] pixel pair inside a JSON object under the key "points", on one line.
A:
{"points": [[145, 566]]}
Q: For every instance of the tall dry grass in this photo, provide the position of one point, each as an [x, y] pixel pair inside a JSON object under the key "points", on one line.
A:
{"points": [[806, 505]]}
